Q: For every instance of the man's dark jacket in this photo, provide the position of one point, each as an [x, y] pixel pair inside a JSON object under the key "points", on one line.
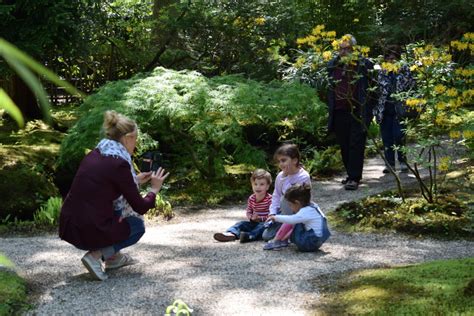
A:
{"points": [[365, 99]]}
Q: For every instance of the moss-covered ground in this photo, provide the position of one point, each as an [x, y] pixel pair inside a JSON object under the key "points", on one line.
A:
{"points": [[13, 291], [434, 288]]}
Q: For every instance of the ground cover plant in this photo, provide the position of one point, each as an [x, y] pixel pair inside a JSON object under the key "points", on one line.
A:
{"points": [[451, 217], [434, 288], [13, 299]]}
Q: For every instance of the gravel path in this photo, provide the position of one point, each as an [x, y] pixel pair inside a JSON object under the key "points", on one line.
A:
{"points": [[180, 259]]}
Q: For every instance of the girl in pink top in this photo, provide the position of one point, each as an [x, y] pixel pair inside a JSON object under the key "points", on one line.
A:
{"points": [[289, 161]]}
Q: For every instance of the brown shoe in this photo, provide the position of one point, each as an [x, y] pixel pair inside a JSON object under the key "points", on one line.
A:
{"points": [[224, 237]]}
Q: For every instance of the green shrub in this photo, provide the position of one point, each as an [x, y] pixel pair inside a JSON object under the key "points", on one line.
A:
{"points": [[23, 188], [323, 163], [48, 214], [201, 124], [27, 160]]}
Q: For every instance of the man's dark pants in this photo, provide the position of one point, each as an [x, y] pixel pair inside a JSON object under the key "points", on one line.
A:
{"points": [[351, 137]]}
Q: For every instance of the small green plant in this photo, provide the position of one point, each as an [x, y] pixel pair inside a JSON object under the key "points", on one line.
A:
{"points": [[178, 308], [163, 207], [48, 214]]}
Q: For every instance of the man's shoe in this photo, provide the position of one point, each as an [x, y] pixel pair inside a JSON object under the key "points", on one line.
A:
{"points": [[276, 245], [246, 237], [403, 167], [223, 237], [119, 260], [94, 266], [351, 185]]}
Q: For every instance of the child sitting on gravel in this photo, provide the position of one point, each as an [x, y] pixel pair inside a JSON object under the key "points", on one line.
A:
{"points": [[307, 228], [258, 206]]}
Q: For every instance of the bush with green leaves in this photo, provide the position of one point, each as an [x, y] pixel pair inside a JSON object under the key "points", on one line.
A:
{"points": [[201, 124], [323, 162]]}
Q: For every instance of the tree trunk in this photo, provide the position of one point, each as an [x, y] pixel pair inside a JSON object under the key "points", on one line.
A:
{"points": [[25, 99]]}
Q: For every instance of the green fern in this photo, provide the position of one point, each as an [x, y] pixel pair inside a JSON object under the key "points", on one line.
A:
{"points": [[48, 213]]}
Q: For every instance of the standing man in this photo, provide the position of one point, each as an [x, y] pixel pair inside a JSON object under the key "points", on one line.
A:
{"points": [[350, 107]]}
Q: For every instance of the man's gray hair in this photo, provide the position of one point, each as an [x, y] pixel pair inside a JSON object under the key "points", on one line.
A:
{"points": [[352, 39]]}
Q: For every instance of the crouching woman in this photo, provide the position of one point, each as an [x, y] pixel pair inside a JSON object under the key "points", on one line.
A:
{"points": [[104, 187]]}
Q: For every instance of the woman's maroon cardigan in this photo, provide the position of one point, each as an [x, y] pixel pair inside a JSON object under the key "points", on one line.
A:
{"points": [[87, 217]]}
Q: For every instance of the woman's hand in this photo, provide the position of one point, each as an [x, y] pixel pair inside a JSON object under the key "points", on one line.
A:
{"points": [[143, 177], [157, 178]]}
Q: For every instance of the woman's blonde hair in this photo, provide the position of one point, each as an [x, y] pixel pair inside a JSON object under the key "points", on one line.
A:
{"points": [[117, 125]]}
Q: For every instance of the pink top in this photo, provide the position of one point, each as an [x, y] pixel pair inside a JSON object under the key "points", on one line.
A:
{"points": [[282, 183]]}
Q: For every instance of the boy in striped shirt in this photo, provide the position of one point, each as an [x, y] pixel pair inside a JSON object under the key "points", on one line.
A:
{"points": [[258, 208]]}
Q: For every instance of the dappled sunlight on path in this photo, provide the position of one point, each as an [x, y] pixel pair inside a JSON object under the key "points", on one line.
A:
{"points": [[180, 259]]}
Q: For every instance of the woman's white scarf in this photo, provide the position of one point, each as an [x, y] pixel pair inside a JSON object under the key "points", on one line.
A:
{"points": [[109, 147]]}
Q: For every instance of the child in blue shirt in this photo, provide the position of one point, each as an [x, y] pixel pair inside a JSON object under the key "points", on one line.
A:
{"points": [[307, 227]]}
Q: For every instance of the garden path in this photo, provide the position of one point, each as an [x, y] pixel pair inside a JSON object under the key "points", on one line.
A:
{"points": [[180, 259]]}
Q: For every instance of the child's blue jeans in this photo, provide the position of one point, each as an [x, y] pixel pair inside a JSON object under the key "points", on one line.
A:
{"points": [[255, 229], [306, 240]]}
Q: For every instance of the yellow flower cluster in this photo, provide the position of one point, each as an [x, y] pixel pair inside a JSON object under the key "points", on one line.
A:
{"points": [[444, 163], [440, 106], [454, 134], [439, 89], [469, 134], [299, 62], [468, 37], [466, 43], [464, 72], [468, 94], [441, 118], [428, 56], [452, 92], [459, 45], [413, 103], [390, 67], [317, 34], [260, 20], [327, 55], [318, 29]]}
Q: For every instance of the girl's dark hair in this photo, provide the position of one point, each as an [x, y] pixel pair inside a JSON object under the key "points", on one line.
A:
{"points": [[290, 150], [300, 192]]}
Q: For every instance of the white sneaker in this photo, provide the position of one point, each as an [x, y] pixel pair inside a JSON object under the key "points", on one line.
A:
{"points": [[94, 266], [119, 260]]}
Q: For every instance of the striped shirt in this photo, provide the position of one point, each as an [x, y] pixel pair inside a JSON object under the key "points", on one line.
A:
{"points": [[261, 208]]}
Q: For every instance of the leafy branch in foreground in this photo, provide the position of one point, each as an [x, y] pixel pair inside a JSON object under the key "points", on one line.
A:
{"points": [[28, 69]]}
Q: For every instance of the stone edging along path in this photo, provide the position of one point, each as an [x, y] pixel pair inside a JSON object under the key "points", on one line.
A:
{"points": [[180, 260]]}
